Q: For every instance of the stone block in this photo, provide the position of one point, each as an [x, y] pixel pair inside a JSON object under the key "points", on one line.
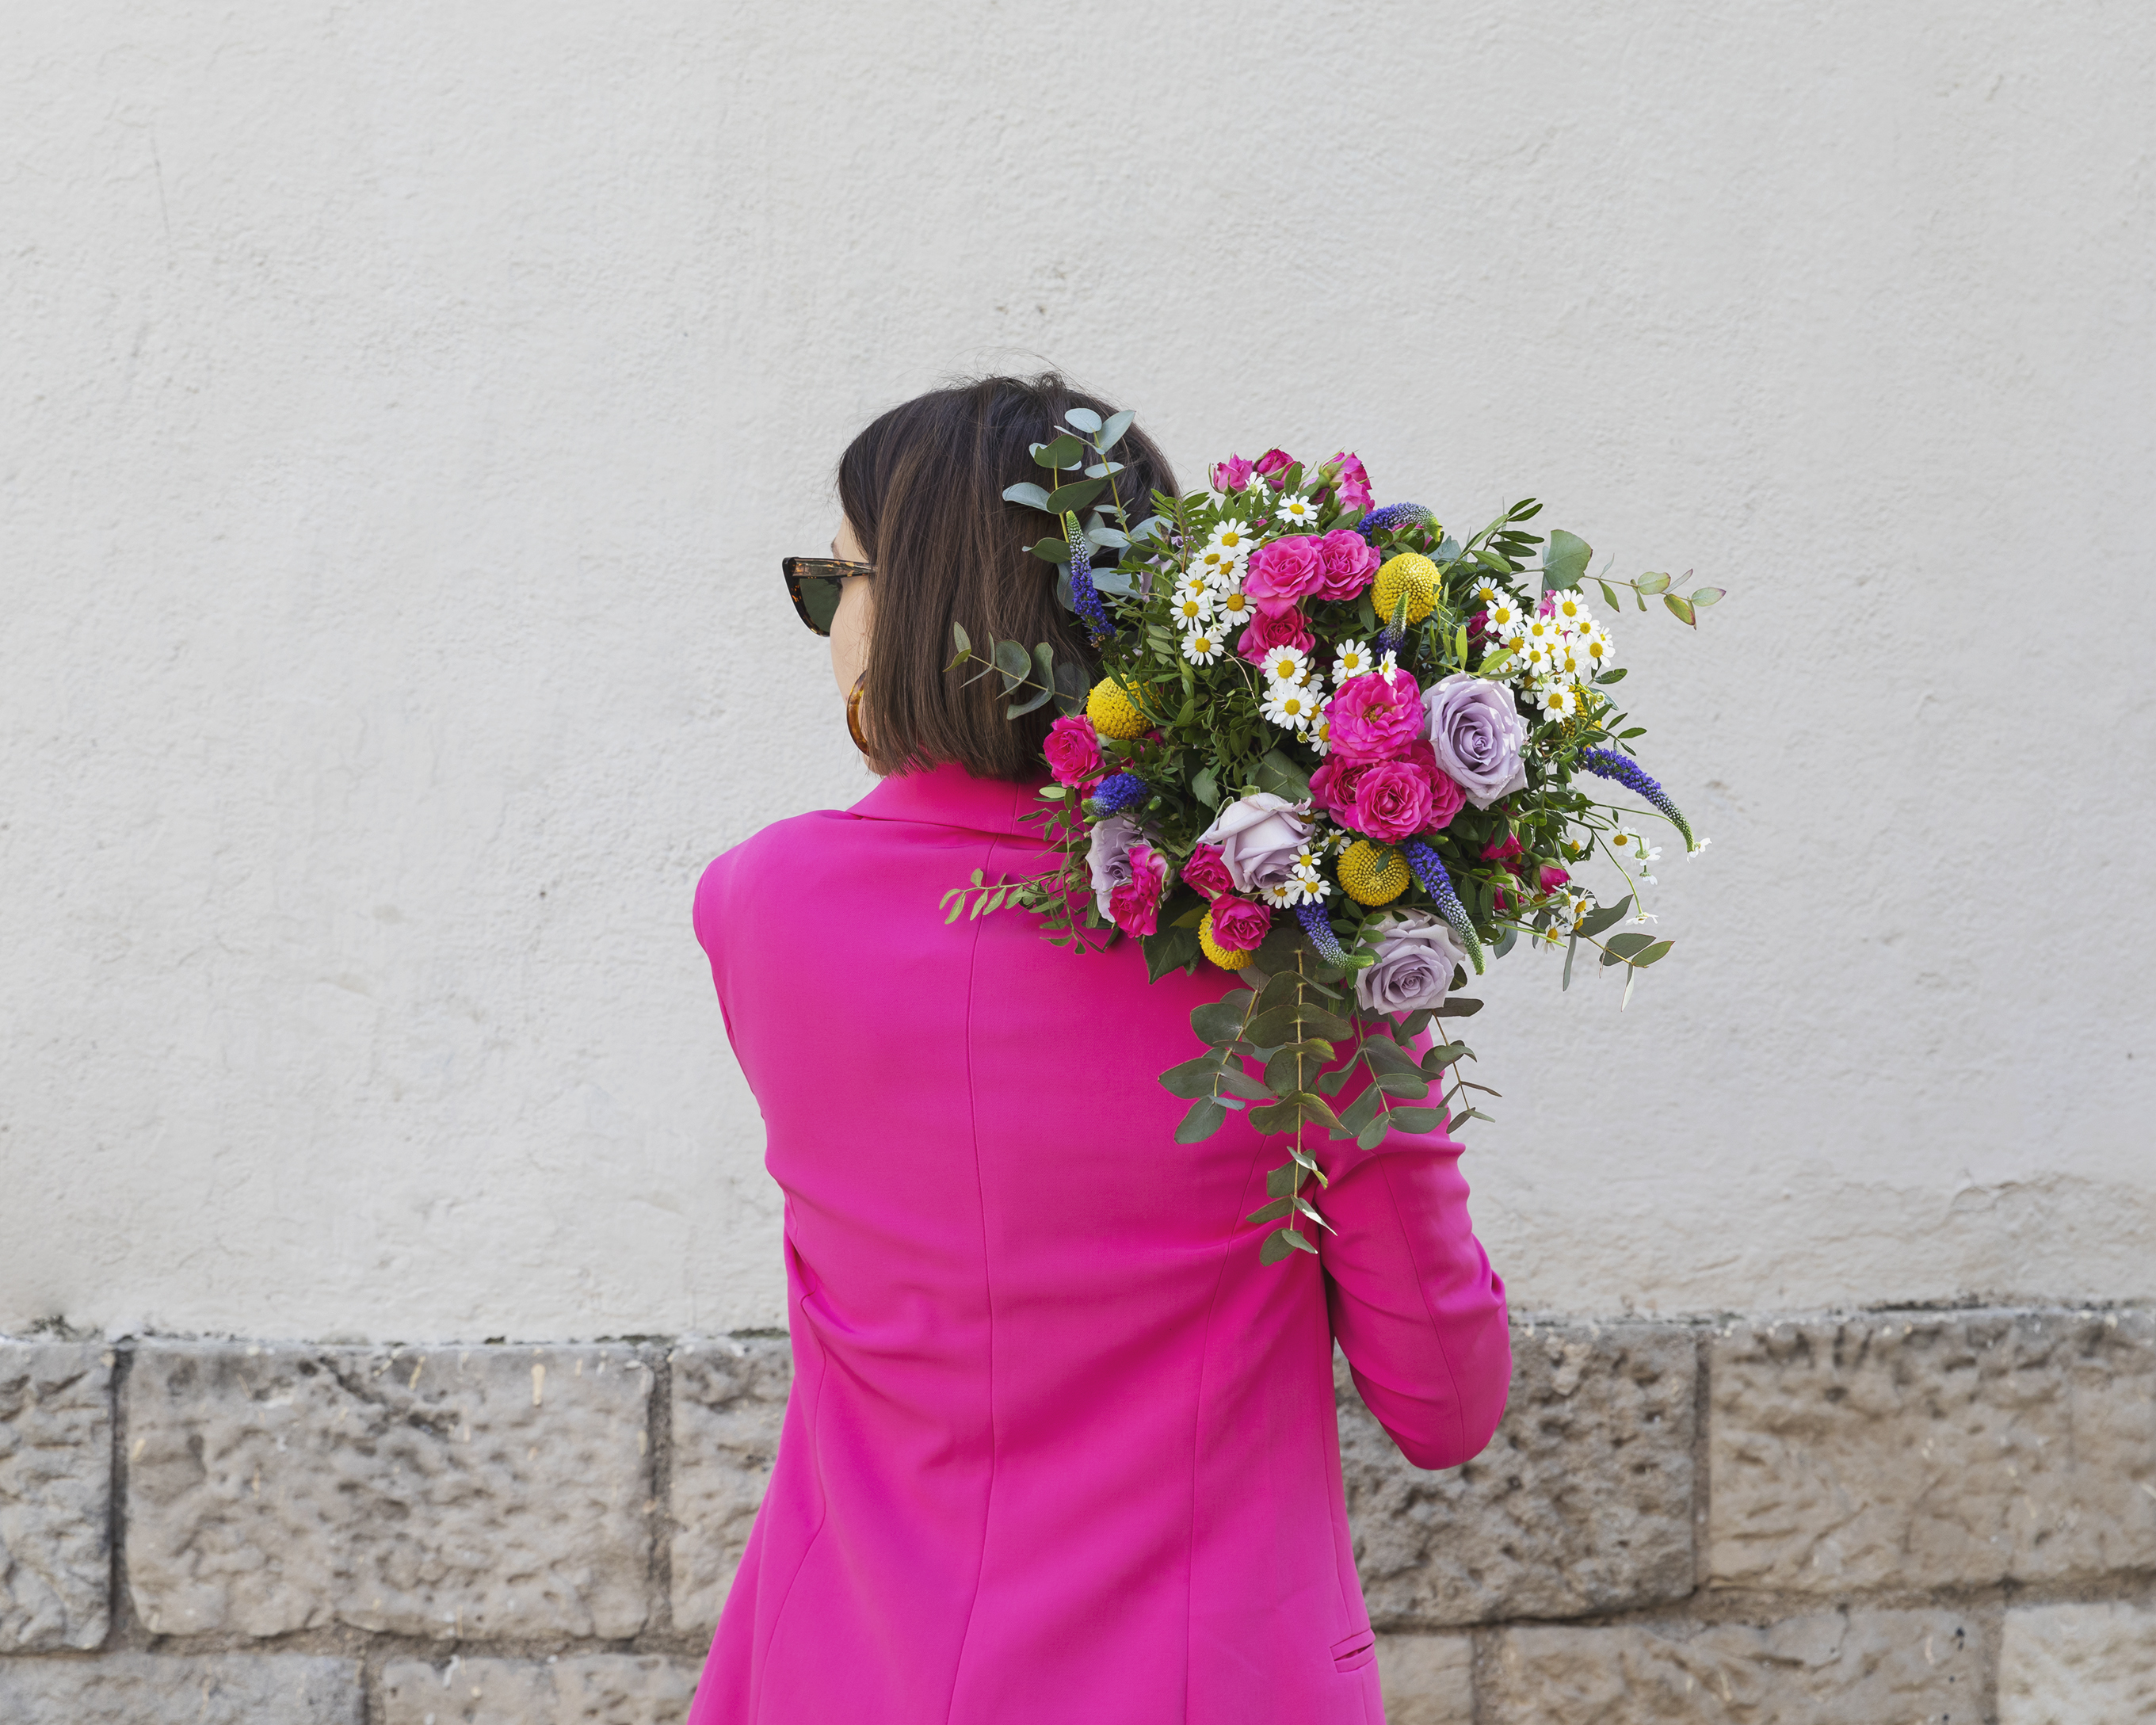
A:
{"points": [[601, 1688], [173, 1689], [2070, 1665], [1835, 1669], [55, 1494], [1931, 1449], [1581, 1502], [1428, 1680], [729, 1401], [445, 1492]]}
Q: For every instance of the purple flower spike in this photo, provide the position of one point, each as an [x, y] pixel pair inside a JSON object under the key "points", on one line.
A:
{"points": [[1318, 926], [1607, 763], [1083, 593], [1118, 792], [1429, 874], [1393, 514]]}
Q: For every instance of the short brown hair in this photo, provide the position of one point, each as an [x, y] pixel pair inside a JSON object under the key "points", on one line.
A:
{"points": [[922, 488]]}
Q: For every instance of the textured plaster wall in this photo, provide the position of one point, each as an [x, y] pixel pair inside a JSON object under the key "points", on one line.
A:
{"points": [[406, 408]]}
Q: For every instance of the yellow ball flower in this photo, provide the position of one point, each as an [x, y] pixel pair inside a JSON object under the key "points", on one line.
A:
{"points": [[1411, 573], [1219, 955], [1113, 711], [1374, 874]]}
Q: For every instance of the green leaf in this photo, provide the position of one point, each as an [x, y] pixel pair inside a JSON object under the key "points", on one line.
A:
{"points": [[1386, 1055], [1329, 1082], [1417, 1119], [1459, 1007], [1201, 1122], [1052, 551], [1193, 1078], [1303, 1106], [1281, 1181], [1030, 495], [1039, 697], [1075, 496], [1652, 583], [1681, 609], [1082, 419], [1111, 433], [1660, 949], [1284, 1070], [1358, 1113], [964, 641], [1275, 1025], [1101, 470], [1013, 661], [1604, 917], [1609, 593], [1317, 1021], [1705, 596], [1205, 788], [1059, 452], [1281, 776], [1445, 1054], [1564, 560], [1274, 1211], [1637, 731], [1401, 1084], [1170, 949], [1609, 677], [1218, 1020], [1282, 1243], [1236, 1080], [1620, 947], [1373, 1134]]}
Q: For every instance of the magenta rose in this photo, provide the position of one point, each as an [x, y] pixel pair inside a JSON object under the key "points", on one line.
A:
{"points": [[1392, 801], [1553, 877], [1073, 749], [1269, 629], [1333, 786], [1446, 798], [1206, 872], [1134, 903], [1240, 925], [1374, 717], [1232, 474], [1350, 565], [1354, 482], [1273, 463], [1283, 571]]}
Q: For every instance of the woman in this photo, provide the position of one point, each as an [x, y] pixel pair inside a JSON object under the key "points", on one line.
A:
{"points": [[1059, 1447]]}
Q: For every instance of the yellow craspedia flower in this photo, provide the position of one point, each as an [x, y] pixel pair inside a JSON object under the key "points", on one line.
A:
{"points": [[1113, 711], [1411, 573], [1219, 955], [1374, 874]]}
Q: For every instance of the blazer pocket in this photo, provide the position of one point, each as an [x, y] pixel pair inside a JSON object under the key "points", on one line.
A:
{"points": [[1350, 1651]]}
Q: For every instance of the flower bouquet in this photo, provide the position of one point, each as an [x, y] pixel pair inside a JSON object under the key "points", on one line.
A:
{"points": [[1339, 754]]}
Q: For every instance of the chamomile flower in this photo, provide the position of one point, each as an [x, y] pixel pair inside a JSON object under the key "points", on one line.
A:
{"points": [[1387, 665], [1289, 706], [1233, 608], [1295, 510], [1218, 568], [1311, 887], [1540, 659], [1352, 659], [1568, 660], [1487, 590], [1630, 847], [1538, 627], [1507, 617], [1193, 582], [1570, 610], [1191, 610], [1201, 646], [1319, 736], [1232, 538], [1596, 648], [1558, 700], [1283, 893], [1287, 665]]}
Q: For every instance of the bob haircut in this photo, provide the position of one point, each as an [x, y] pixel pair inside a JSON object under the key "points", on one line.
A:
{"points": [[922, 488]]}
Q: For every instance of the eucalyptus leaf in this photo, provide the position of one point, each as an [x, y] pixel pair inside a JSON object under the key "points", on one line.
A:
{"points": [[1028, 493], [1201, 1122], [1039, 698], [1281, 1181], [1358, 1113], [1013, 661], [1705, 596], [1052, 551], [1459, 1007], [1386, 1055], [1652, 583], [1272, 1212], [1647, 956], [1235, 1079], [1193, 1078], [1278, 1244], [1170, 949], [1082, 419], [1075, 496], [963, 641], [1111, 433], [1604, 917], [1275, 1026], [1101, 470], [1114, 581], [1217, 1020], [1373, 1134], [1401, 1084], [1417, 1119], [1681, 609], [1277, 773], [1620, 947], [1565, 559], [1059, 452]]}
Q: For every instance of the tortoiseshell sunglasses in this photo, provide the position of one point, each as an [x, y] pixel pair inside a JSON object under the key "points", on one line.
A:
{"points": [[814, 584]]}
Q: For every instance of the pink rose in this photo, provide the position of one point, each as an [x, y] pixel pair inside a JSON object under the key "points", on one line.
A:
{"points": [[1269, 629], [1284, 571], [1240, 925], [1073, 749], [1272, 463], [1447, 798], [1392, 801], [1350, 564], [1206, 872], [1354, 482], [1333, 786], [1232, 474], [1134, 904], [1553, 877], [1374, 718]]}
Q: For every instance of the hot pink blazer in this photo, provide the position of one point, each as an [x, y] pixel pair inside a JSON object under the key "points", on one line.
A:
{"points": [[1059, 1448]]}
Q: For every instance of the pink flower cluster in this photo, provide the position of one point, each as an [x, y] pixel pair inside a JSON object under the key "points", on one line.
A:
{"points": [[1237, 925], [1382, 777]]}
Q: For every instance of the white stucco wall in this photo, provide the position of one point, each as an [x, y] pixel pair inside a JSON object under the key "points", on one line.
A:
{"points": [[407, 406]]}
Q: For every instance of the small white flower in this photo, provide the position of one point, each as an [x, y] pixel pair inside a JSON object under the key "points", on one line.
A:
{"points": [[1389, 663], [1351, 659], [1319, 736], [1287, 665], [1629, 846], [1193, 582], [1540, 628], [1232, 538], [1201, 646], [1488, 593], [1539, 657], [1569, 661], [1507, 617], [1698, 845], [1295, 510], [1289, 706], [1235, 607], [1219, 570], [1215, 499], [1558, 701], [1646, 880], [1282, 893], [1191, 610], [1570, 610], [1311, 887]]}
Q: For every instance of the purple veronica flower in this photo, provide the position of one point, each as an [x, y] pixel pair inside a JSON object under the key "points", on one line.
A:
{"points": [[1607, 763], [1118, 792], [1393, 514], [1318, 926], [1430, 873], [1083, 593]]}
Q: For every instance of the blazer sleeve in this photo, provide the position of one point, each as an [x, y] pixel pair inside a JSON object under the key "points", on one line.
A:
{"points": [[1415, 1305]]}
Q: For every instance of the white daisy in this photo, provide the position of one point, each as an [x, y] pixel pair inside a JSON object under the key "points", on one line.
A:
{"points": [[1319, 736], [1387, 665], [1488, 592], [1287, 665], [1234, 608], [1217, 567], [1559, 701], [1283, 893], [1232, 536], [1596, 648], [1507, 617], [1569, 661], [1311, 887], [1289, 706], [1570, 610], [1201, 646], [1191, 610], [1193, 581], [1295, 510], [1351, 659], [1539, 657], [1630, 847], [1539, 628]]}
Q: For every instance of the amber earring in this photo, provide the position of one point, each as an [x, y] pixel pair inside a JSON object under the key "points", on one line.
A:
{"points": [[854, 713]]}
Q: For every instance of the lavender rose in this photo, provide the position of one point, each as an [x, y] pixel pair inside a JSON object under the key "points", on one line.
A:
{"points": [[1109, 856], [1476, 732], [1259, 837], [1416, 953]]}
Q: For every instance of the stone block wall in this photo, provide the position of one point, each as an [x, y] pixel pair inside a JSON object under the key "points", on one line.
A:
{"points": [[1921, 1515]]}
